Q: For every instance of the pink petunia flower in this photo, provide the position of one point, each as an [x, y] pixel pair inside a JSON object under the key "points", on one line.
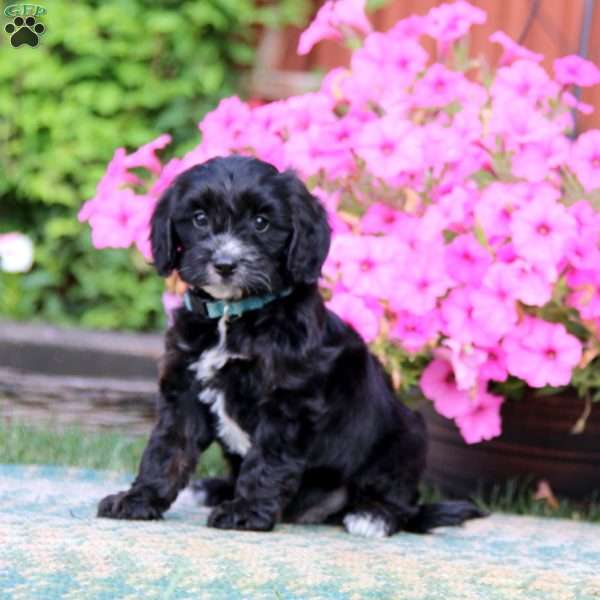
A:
{"points": [[534, 160], [382, 57], [338, 85], [438, 384], [541, 231], [226, 123], [502, 281], [145, 156], [390, 146], [414, 332], [342, 249], [206, 150], [516, 122], [585, 159], [124, 220], [360, 313], [318, 149], [115, 177], [449, 22], [467, 260], [370, 264], [169, 171], [541, 353], [330, 201], [455, 208], [535, 281], [457, 315], [494, 367], [438, 87], [476, 316], [483, 422], [477, 414], [330, 21], [265, 145], [408, 28], [494, 316], [298, 114], [585, 291], [496, 209], [421, 281], [574, 70], [586, 217], [524, 80], [446, 145], [583, 252], [380, 218], [466, 361], [512, 50]]}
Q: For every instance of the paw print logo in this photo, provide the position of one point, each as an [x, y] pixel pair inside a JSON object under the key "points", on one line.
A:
{"points": [[24, 31]]}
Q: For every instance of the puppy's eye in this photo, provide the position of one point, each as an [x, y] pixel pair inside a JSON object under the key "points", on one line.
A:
{"points": [[200, 219], [261, 223]]}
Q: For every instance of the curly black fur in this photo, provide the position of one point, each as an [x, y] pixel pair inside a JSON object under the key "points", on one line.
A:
{"points": [[321, 436]]}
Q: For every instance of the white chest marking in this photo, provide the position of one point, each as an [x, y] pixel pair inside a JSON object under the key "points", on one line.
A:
{"points": [[206, 367], [228, 431], [215, 359]]}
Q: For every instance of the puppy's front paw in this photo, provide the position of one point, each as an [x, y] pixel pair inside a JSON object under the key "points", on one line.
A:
{"points": [[127, 505], [239, 514]]}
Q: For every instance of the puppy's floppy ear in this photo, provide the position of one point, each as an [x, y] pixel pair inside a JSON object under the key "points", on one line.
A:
{"points": [[311, 234], [162, 235]]}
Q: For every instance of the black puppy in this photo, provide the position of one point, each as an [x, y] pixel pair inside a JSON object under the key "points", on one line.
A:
{"points": [[305, 414]]}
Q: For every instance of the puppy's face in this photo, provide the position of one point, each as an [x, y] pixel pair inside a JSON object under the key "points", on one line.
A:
{"points": [[236, 227], [232, 233]]}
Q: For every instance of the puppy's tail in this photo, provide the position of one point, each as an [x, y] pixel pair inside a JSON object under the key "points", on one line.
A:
{"points": [[442, 514]]}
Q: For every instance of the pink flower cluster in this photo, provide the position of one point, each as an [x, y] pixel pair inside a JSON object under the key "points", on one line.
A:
{"points": [[461, 209], [118, 215]]}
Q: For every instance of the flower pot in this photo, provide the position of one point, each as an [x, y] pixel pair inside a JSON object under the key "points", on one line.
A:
{"points": [[535, 443]]}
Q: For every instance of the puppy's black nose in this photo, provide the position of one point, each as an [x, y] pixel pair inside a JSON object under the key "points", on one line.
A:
{"points": [[225, 267]]}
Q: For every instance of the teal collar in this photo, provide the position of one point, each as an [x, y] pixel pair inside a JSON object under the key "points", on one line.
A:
{"points": [[215, 309]]}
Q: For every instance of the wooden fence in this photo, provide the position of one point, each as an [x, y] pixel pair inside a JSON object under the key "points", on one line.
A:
{"points": [[550, 27]]}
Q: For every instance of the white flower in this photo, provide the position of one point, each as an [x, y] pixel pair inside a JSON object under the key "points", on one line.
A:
{"points": [[16, 253]]}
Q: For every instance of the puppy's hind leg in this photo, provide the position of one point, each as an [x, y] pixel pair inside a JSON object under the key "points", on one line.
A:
{"points": [[384, 493], [385, 498]]}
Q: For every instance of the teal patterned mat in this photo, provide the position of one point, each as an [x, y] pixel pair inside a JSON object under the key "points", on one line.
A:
{"points": [[51, 546]]}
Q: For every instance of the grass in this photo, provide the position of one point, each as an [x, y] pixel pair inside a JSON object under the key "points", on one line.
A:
{"points": [[118, 452], [517, 496], [93, 450]]}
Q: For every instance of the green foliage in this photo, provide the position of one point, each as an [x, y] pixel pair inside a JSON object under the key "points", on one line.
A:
{"points": [[107, 73], [115, 451], [518, 496], [587, 381]]}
